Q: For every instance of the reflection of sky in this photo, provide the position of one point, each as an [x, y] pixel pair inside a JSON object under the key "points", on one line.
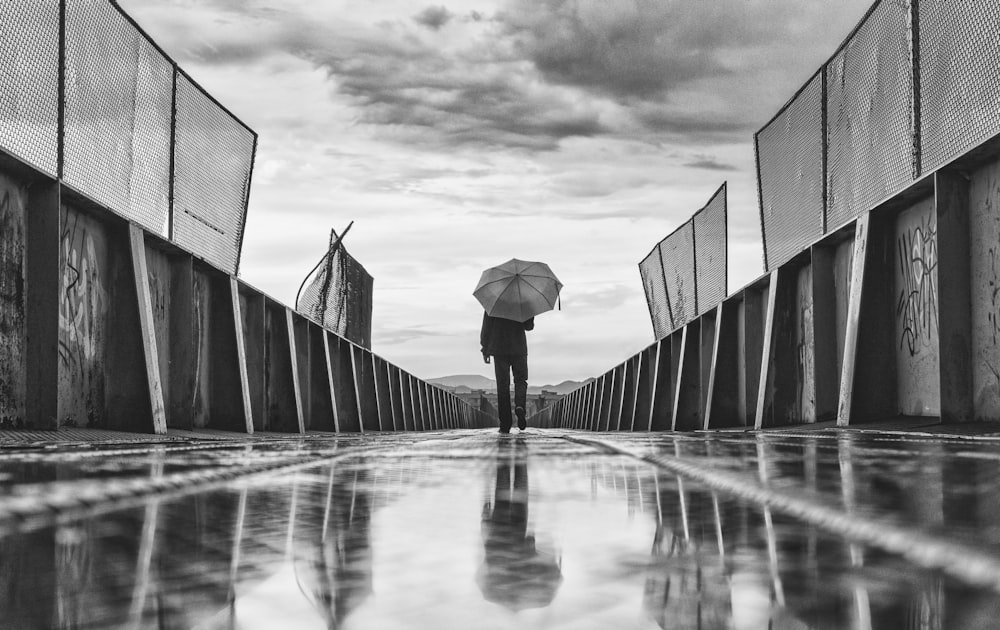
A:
{"points": [[428, 547], [276, 602]]}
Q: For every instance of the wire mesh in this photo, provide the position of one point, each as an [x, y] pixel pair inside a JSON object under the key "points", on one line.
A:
{"points": [[790, 173], [677, 253], [959, 77], [339, 297], [212, 167], [29, 81], [710, 251], [869, 115], [117, 125], [656, 293]]}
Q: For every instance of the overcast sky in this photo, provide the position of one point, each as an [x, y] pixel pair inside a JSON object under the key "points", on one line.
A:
{"points": [[459, 135]]}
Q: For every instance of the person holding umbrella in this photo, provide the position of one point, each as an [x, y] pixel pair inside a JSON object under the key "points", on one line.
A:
{"points": [[512, 294]]}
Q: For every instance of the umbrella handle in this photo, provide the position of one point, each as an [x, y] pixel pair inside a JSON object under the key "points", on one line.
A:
{"points": [[560, 302]]}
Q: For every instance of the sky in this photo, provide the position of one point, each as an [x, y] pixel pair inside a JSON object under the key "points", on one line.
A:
{"points": [[458, 135]]}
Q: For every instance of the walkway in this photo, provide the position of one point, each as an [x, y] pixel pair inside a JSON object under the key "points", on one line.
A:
{"points": [[468, 529]]}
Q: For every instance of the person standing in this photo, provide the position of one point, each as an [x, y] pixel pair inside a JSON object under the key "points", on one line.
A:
{"points": [[505, 341]]}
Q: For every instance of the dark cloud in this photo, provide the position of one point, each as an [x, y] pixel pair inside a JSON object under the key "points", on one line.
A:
{"points": [[710, 164], [433, 17], [541, 71]]}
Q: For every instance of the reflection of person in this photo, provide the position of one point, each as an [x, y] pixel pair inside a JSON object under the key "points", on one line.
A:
{"points": [[514, 572], [505, 341]]}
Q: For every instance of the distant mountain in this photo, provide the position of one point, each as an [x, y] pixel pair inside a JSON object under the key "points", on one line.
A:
{"points": [[465, 383], [469, 381]]}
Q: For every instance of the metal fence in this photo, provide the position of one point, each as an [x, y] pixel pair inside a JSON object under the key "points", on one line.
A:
{"points": [[685, 273], [87, 97], [915, 85], [339, 296]]}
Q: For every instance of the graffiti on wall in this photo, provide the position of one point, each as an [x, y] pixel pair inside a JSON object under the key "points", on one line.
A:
{"points": [[916, 304], [82, 316]]}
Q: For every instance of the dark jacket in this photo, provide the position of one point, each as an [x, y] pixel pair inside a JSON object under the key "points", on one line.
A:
{"points": [[504, 336]]}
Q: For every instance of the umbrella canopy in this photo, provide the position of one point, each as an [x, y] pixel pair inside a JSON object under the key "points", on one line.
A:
{"points": [[518, 290]]}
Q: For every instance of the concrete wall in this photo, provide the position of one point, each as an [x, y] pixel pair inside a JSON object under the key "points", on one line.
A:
{"points": [[129, 332], [13, 199], [984, 257], [916, 290]]}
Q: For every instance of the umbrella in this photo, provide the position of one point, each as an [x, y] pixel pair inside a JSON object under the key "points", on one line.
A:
{"points": [[518, 290]]}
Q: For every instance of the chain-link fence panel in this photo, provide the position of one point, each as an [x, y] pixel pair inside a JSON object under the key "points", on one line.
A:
{"points": [[869, 115], [959, 77], [117, 121], [710, 243], [656, 293], [677, 253], [212, 166], [339, 297], [790, 175], [29, 81]]}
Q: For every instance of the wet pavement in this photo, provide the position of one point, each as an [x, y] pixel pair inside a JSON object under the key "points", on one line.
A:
{"points": [[469, 529]]}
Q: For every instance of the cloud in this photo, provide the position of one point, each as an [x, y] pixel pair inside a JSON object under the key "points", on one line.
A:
{"points": [[709, 163], [433, 17], [399, 336]]}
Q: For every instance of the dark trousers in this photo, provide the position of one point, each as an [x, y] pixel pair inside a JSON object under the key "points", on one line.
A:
{"points": [[504, 364]]}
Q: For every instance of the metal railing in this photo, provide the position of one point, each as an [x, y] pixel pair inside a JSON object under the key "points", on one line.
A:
{"points": [[685, 273], [914, 86], [88, 98]]}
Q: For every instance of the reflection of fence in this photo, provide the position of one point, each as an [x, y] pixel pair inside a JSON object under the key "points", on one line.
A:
{"points": [[685, 273], [89, 98], [912, 88], [340, 296]]}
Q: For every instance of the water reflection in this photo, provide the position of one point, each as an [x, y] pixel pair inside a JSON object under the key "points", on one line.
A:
{"points": [[365, 541], [515, 573]]}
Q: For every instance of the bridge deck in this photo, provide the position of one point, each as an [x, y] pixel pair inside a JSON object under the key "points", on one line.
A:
{"points": [[469, 529]]}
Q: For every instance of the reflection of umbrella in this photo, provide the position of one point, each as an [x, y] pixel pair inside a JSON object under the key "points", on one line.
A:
{"points": [[518, 290]]}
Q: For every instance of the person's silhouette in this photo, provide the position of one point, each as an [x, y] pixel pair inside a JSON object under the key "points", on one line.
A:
{"points": [[505, 341], [514, 573]]}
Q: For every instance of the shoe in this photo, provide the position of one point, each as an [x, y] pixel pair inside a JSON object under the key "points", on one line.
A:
{"points": [[521, 422], [504, 431]]}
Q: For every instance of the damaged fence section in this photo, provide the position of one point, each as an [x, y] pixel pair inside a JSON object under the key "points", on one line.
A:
{"points": [[338, 295], [685, 273]]}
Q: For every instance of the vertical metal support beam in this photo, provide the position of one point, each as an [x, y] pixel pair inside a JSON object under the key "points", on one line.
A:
{"points": [[617, 401], [751, 350], [661, 394], [687, 407], [858, 264], [61, 100], [173, 154], [713, 370], [768, 352], [241, 353], [293, 356], [870, 354], [916, 122], [137, 246], [43, 277], [824, 318], [951, 199], [825, 122], [331, 383], [360, 391]]}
